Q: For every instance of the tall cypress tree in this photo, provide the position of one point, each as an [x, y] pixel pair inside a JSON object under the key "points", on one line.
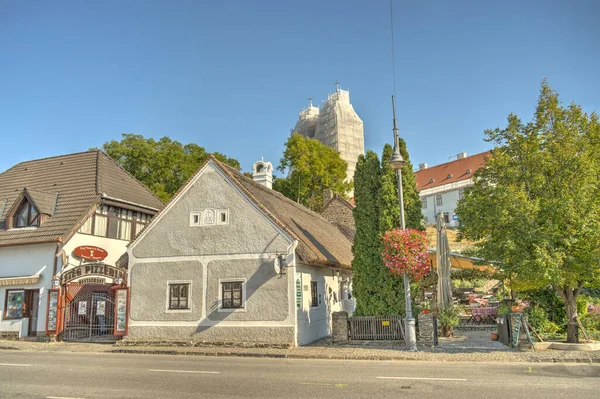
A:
{"points": [[388, 196], [376, 290], [367, 240]]}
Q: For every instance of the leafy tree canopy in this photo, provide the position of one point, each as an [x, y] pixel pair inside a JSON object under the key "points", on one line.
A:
{"points": [[314, 168], [535, 207], [163, 165]]}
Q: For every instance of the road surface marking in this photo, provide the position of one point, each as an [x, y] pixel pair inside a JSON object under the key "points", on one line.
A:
{"points": [[422, 378], [185, 371], [15, 365], [323, 384]]}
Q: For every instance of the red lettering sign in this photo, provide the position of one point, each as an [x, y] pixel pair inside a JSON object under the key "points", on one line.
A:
{"points": [[89, 252]]}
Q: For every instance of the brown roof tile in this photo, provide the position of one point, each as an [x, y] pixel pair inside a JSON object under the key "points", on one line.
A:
{"points": [[79, 179], [450, 172]]}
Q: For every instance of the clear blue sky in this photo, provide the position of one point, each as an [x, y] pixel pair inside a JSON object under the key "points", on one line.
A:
{"points": [[232, 76]]}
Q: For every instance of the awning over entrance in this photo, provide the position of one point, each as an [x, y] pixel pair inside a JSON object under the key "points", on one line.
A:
{"points": [[19, 280]]}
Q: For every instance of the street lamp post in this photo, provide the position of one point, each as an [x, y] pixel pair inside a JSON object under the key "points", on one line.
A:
{"points": [[397, 162]]}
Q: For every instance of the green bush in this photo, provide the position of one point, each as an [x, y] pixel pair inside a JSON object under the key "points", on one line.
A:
{"points": [[448, 317], [582, 306]]}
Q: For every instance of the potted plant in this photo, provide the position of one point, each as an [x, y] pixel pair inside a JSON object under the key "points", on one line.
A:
{"points": [[448, 318], [425, 307], [494, 335]]}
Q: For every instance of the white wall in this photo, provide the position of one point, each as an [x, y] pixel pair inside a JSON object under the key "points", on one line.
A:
{"points": [[115, 248], [450, 198], [24, 260], [314, 323]]}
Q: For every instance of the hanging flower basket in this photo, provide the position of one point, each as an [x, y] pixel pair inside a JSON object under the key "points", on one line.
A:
{"points": [[406, 251]]}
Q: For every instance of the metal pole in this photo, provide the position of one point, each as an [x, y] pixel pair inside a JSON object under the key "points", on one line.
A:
{"points": [[410, 326]]}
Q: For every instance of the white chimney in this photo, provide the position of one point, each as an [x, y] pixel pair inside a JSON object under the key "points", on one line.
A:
{"points": [[461, 155], [423, 166], [262, 173]]}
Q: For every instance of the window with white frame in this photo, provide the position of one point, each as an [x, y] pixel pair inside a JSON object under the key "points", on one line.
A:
{"points": [[179, 296], [438, 199], [461, 193], [424, 203], [232, 295]]}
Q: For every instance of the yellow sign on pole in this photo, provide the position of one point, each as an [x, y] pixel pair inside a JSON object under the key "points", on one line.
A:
{"points": [[385, 323]]}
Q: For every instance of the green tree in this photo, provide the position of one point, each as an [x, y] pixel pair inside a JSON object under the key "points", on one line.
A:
{"points": [[163, 165], [535, 207], [314, 168]]}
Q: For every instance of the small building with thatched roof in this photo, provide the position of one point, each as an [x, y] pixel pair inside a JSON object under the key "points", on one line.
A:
{"points": [[230, 260]]}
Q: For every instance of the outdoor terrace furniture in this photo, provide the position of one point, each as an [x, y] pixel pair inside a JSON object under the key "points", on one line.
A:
{"points": [[484, 315]]}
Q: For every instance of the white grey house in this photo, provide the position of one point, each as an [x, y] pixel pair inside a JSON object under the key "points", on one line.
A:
{"points": [[229, 259], [442, 186]]}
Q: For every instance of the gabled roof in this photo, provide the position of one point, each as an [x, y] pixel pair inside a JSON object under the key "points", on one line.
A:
{"points": [[450, 172], [79, 180], [341, 200], [320, 243]]}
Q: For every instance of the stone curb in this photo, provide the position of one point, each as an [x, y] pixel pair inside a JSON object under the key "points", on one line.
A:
{"points": [[341, 357]]}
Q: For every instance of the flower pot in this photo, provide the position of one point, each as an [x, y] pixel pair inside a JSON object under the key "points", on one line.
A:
{"points": [[447, 332], [494, 336], [516, 308], [425, 311]]}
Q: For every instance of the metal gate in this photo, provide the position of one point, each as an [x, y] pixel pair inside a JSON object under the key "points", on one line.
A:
{"points": [[376, 328], [89, 313]]}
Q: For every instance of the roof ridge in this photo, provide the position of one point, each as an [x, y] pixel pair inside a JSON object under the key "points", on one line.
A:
{"points": [[450, 162], [277, 194], [55, 156]]}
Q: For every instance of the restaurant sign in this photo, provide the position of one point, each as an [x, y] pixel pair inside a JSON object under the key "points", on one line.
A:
{"points": [[98, 269], [90, 252]]}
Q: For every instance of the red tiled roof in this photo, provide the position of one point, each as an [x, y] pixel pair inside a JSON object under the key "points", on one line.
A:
{"points": [[450, 172]]}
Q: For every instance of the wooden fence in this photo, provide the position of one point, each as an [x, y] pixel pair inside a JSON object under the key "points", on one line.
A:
{"points": [[376, 328]]}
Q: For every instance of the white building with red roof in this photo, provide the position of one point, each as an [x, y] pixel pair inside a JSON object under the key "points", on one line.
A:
{"points": [[442, 186]]}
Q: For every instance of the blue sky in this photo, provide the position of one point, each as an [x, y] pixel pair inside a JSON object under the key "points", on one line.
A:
{"points": [[232, 76]]}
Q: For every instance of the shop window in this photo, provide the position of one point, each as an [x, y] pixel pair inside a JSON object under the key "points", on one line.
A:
{"points": [[232, 295], [314, 297], [26, 216], [179, 296], [14, 304]]}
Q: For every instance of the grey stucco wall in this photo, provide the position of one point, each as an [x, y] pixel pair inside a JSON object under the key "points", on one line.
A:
{"points": [[149, 290], [248, 231], [266, 293], [214, 333]]}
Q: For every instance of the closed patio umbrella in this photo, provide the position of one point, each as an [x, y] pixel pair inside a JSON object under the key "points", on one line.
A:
{"points": [[444, 289]]}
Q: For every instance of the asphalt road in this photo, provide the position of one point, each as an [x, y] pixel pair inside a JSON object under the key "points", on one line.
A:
{"points": [[85, 375]]}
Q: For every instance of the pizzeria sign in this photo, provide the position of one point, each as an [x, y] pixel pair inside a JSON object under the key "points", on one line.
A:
{"points": [[99, 269]]}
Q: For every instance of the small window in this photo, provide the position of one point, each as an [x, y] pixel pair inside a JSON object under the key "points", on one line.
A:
{"points": [[232, 295], [424, 203], [26, 216], [195, 218], [15, 300], [179, 295], [438, 199], [313, 294], [223, 216], [461, 193]]}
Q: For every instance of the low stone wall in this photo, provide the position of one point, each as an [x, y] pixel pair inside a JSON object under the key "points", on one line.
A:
{"points": [[339, 324]]}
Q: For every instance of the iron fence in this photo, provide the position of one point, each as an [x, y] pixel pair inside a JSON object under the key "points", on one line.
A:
{"points": [[376, 328]]}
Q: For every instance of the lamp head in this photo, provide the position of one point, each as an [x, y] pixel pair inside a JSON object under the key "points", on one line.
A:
{"points": [[397, 162]]}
